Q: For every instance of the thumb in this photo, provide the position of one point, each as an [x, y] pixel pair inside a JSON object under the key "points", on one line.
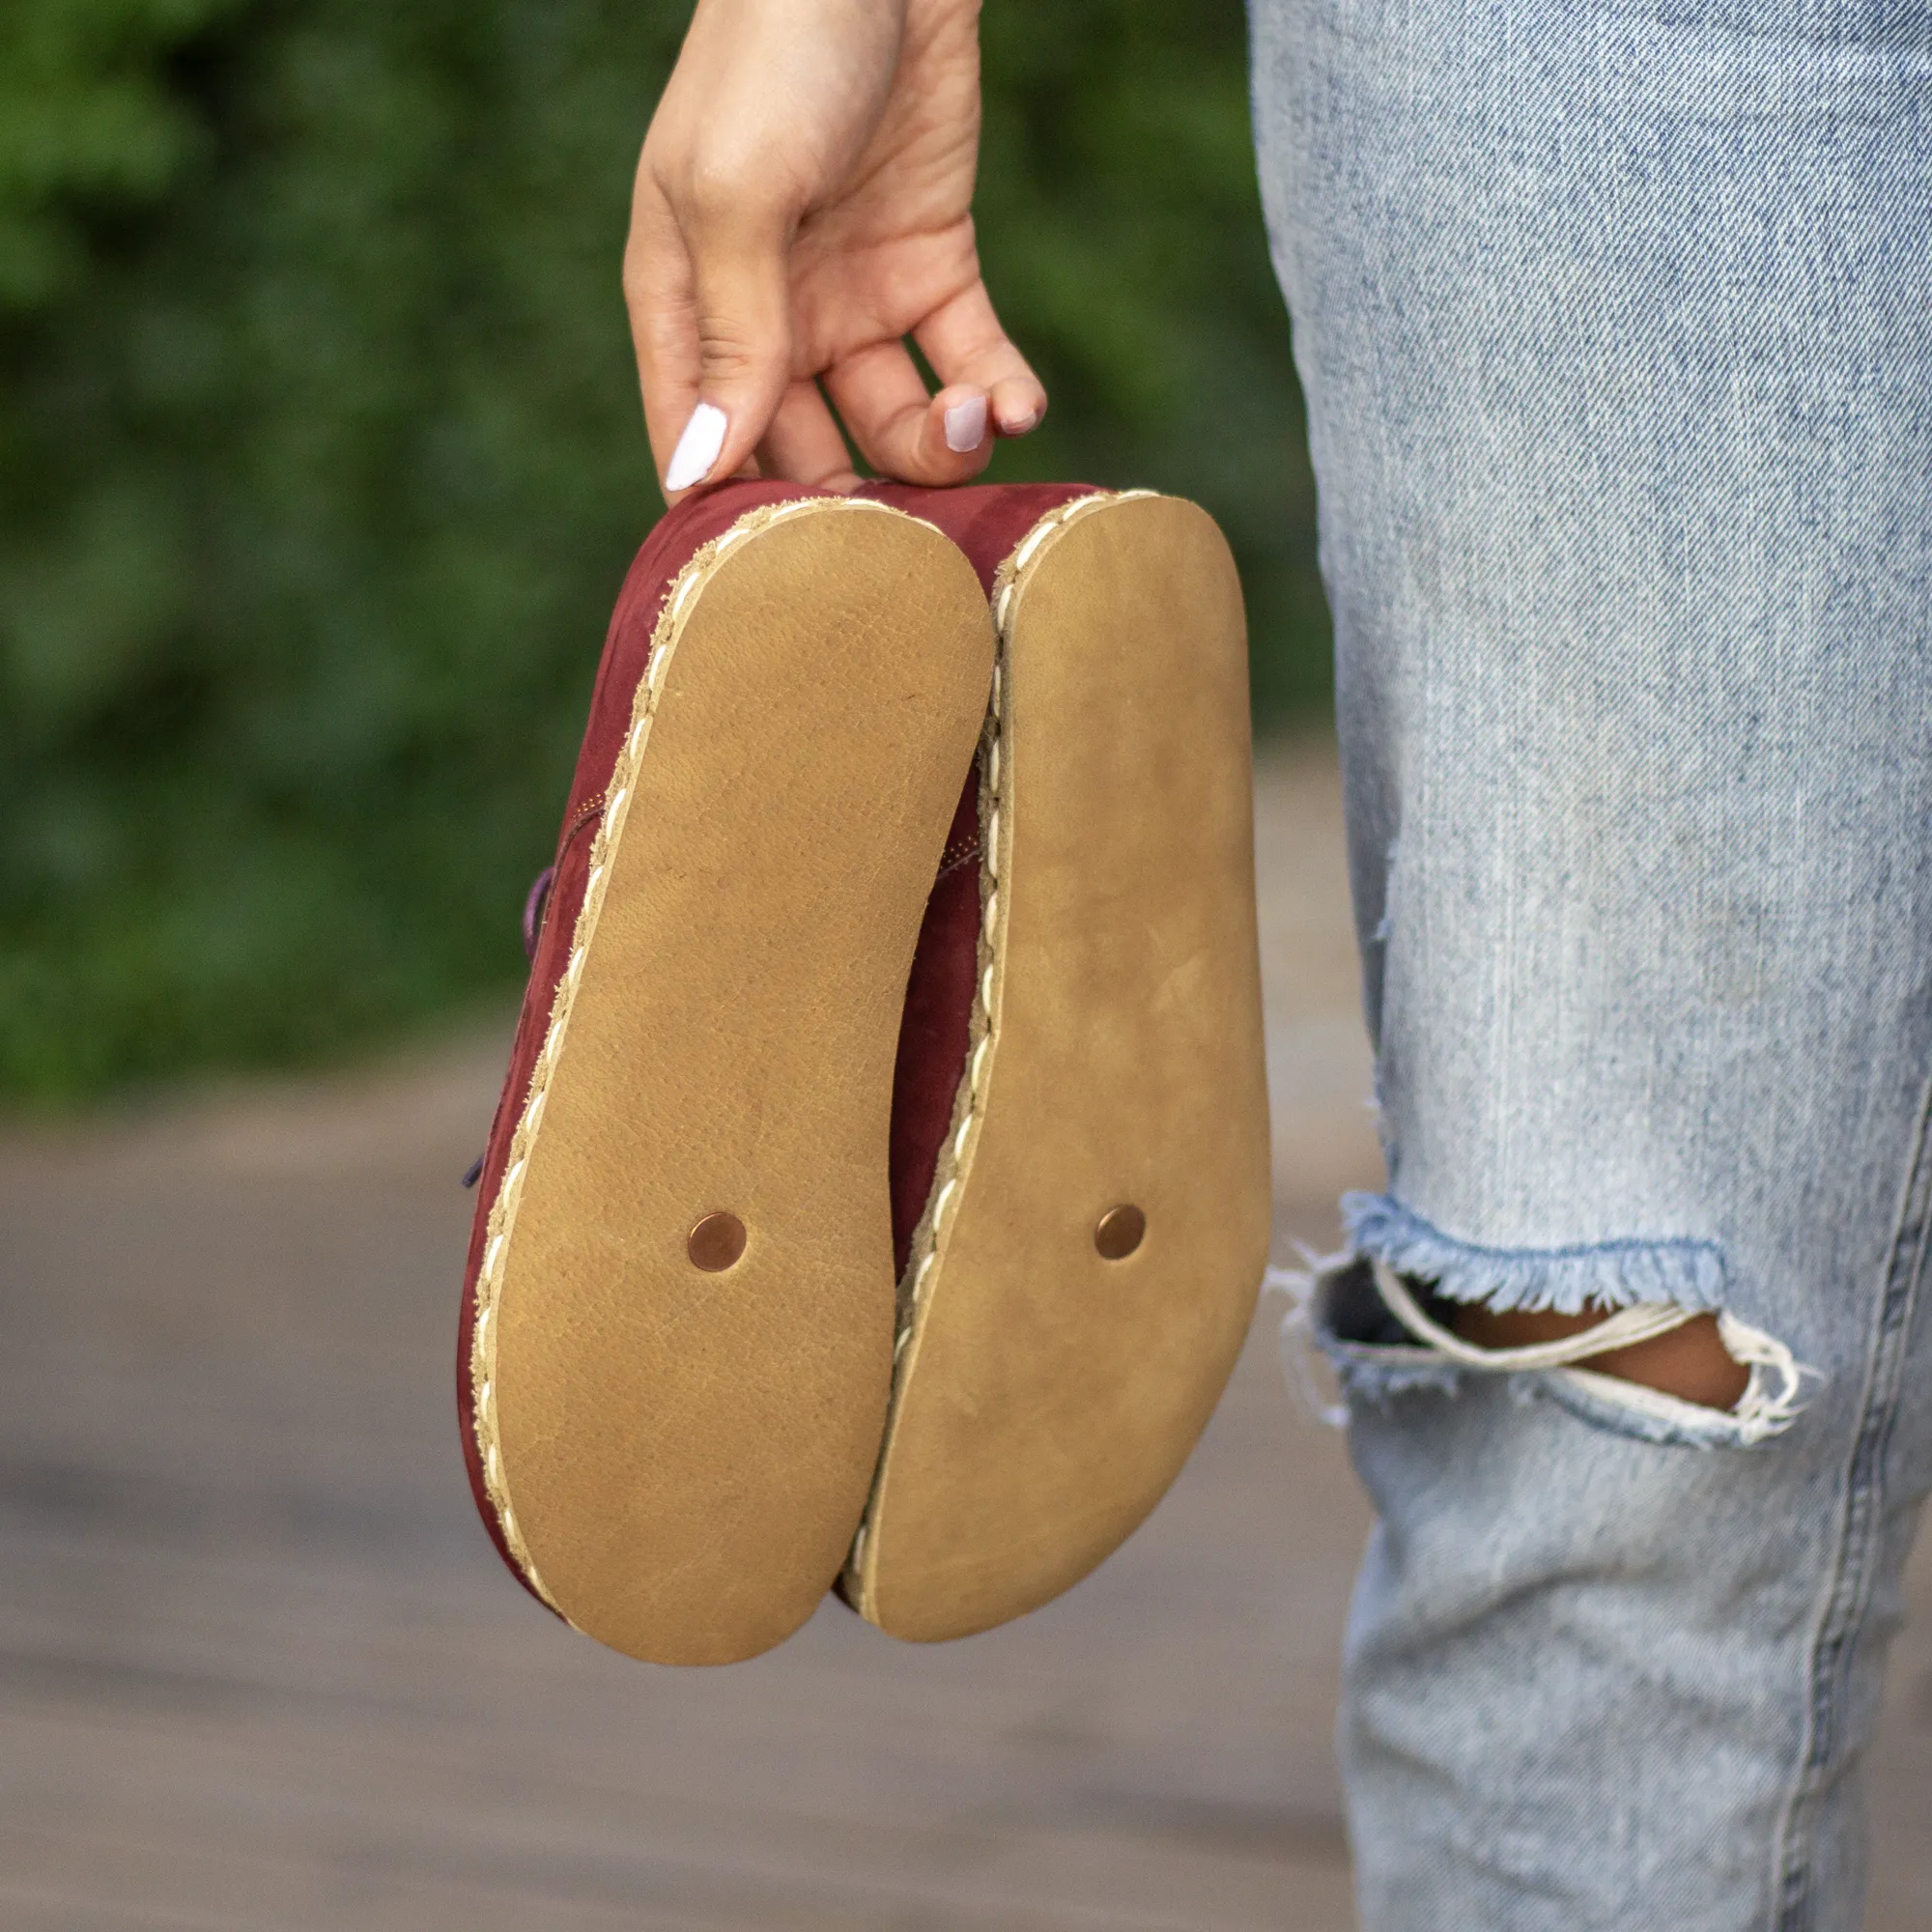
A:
{"points": [[740, 317]]}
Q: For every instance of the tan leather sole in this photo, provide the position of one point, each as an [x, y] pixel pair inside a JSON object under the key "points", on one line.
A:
{"points": [[1054, 1372], [679, 1453]]}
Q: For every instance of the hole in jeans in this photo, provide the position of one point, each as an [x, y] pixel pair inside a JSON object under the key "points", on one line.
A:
{"points": [[1641, 1325], [1691, 1363]]}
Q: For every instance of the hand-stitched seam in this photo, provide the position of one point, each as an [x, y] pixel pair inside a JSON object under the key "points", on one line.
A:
{"points": [[614, 806], [957, 1155]]}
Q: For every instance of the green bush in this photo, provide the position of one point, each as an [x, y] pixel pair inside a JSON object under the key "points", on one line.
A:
{"points": [[320, 462]]}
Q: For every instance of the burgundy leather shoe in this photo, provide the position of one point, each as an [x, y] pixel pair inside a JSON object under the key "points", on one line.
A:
{"points": [[1080, 1173], [678, 1314], [681, 1353]]}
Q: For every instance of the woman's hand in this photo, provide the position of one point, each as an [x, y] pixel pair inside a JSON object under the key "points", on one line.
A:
{"points": [[803, 204]]}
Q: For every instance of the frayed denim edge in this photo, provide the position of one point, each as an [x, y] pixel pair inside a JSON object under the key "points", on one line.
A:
{"points": [[1774, 1399], [1611, 1274], [1629, 1408], [1362, 1370], [1380, 1375]]}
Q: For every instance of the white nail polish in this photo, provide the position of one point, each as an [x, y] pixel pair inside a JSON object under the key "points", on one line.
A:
{"points": [[696, 448], [1019, 425], [966, 425]]}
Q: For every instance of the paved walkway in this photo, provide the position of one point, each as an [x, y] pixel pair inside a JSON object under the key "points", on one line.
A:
{"points": [[258, 1668]]}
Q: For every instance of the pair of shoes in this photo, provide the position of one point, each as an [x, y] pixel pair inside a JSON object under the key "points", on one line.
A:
{"points": [[880, 1187]]}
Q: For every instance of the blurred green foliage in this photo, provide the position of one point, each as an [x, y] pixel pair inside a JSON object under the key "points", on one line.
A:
{"points": [[320, 462]]}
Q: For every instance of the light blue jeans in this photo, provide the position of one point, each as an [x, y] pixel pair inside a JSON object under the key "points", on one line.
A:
{"points": [[1615, 321]]}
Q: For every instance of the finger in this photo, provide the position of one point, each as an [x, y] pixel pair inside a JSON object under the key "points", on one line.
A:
{"points": [[804, 443], [659, 294], [720, 318], [900, 429], [963, 341], [1017, 405]]}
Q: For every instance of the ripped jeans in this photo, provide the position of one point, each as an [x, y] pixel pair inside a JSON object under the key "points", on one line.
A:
{"points": [[1615, 324]]}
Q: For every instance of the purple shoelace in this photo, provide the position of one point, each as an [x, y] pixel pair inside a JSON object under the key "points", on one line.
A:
{"points": [[533, 910]]}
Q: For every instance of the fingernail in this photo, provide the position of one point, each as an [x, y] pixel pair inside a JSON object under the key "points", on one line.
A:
{"points": [[1018, 425], [696, 448], [966, 425]]}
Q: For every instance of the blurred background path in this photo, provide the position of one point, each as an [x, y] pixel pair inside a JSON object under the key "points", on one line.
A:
{"points": [[258, 1668]]}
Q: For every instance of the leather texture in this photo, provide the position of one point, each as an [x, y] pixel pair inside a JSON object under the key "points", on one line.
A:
{"points": [[1045, 1396], [676, 538], [1076, 1029], [989, 522], [677, 1459]]}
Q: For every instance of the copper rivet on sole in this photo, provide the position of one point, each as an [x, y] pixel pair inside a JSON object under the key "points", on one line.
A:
{"points": [[716, 1241], [1119, 1233]]}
